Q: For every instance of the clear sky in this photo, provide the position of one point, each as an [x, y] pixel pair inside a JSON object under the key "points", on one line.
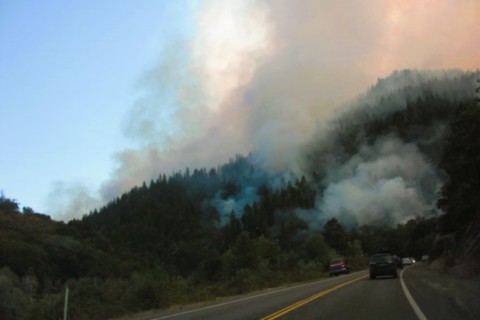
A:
{"points": [[68, 77], [98, 96]]}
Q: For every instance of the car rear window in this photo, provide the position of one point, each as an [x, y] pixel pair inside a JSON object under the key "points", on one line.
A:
{"points": [[381, 258]]}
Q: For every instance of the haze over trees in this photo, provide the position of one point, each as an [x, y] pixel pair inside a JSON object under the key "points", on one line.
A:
{"points": [[398, 169]]}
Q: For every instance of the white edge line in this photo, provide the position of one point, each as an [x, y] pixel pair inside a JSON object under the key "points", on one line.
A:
{"points": [[410, 299]]}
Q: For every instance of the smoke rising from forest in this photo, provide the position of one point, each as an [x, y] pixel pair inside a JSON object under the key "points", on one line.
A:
{"points": [[266, 75], [388, 183]]}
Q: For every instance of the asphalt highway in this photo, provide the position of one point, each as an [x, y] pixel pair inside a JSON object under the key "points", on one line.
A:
{"points": [[352, 296]]}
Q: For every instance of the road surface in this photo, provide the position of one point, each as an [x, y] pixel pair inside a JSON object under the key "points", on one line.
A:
{"points": [[353, 296]]}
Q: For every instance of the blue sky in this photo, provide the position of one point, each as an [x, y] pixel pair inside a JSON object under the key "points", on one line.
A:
{"points": [[69, 73]]}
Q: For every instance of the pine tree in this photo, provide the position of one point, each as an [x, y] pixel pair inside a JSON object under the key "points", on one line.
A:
{"points": [[460, 195]]}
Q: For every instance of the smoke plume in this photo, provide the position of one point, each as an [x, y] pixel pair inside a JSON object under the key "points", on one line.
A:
{"points": [[265, 75], [387, 183]]}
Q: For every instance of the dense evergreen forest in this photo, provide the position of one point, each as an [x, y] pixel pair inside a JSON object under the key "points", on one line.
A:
{"points": [[205, 233]]}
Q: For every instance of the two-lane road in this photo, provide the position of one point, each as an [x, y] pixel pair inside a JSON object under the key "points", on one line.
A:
{"points": [[352, 296], [382, 298]]}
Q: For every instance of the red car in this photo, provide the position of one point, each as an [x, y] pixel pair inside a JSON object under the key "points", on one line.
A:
{"points": [[338, 266]]}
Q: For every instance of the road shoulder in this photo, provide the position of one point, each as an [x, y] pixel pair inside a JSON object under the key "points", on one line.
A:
{"points": [[442, 295]]}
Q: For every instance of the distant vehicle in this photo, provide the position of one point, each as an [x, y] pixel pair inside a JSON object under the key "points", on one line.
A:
{"points": [[382, 264], [338, 266], [413, 260], [425, 258], [406, 261], [398, 261]]}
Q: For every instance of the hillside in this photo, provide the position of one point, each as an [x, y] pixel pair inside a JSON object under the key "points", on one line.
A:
{"points": [[397, 169], [388, 144]]}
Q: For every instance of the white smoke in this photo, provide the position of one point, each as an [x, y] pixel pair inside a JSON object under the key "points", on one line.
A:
{"points": [[263, 75], [382, 184]]}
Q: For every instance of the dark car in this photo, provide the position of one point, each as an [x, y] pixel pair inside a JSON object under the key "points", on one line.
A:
{"points": [[338, 266], [382, 264]]}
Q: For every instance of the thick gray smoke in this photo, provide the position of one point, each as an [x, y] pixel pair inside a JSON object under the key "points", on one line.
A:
{"points": [[387, 183]]}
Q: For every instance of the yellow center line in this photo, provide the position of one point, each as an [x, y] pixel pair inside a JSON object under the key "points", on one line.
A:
{"points": [[300, 303]]}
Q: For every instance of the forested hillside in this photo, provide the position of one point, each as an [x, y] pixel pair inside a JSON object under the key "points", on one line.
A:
{"points": [[396, 169]]}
